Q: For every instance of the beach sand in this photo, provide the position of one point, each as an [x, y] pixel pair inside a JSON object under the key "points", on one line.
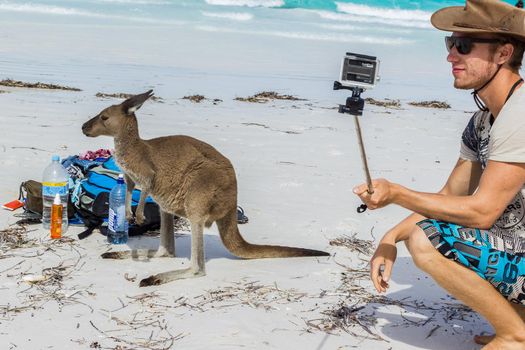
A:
{"points": [[296, 164]]}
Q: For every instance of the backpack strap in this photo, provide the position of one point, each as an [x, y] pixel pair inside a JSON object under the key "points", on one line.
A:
{"points": [[91, 221], [86, 233]]}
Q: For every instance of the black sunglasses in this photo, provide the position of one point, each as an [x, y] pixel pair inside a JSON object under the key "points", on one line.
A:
{"points": [[464, 44]]}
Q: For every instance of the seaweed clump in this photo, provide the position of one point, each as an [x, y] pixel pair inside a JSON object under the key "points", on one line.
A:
{"points": [[430, 104], [37, 85], [266, 96]]}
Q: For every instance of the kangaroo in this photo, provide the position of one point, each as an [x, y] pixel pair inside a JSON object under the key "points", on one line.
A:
{"points": [[186, 177]]}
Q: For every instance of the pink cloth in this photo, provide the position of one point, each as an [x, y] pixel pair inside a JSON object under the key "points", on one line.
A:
{"points": [[92, 155]]}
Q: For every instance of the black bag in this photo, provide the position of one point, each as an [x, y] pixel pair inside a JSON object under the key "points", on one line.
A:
{"points": [[31, 195]]}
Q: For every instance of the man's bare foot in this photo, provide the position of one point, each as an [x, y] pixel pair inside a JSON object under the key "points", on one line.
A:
{"points": [[499, 343], [483, 339]]}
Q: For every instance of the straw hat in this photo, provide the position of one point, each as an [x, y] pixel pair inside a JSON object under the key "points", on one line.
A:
{"points": [[482, 16]]}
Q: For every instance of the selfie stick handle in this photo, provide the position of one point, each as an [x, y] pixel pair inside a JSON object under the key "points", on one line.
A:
{"points": [[363, 155]]}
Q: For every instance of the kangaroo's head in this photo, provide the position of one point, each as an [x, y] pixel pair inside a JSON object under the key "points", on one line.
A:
{"points": [[112, 120]]}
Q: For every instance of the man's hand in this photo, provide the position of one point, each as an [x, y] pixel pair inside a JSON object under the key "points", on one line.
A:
{"points": [[381, 264], [382, 196]]}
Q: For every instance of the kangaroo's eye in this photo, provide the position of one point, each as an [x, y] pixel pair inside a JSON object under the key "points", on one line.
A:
{"points": [[104, 117]]}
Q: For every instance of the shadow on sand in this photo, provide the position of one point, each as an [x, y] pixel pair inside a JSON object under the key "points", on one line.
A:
{"points": [[423, 315]]}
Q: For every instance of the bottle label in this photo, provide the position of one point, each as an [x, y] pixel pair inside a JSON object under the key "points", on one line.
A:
{"points": [[112, 220], [52, 188], [117, 219]]}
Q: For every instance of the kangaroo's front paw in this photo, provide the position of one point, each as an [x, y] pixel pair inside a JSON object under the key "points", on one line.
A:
{"points": [[140, 219], [129, 215], [150, 281]]}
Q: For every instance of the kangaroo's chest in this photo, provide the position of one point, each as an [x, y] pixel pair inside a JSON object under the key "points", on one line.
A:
{"points": [[137, 175]]}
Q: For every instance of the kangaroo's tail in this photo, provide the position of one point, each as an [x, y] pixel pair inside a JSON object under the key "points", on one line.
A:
{"points": [[233, 241]]}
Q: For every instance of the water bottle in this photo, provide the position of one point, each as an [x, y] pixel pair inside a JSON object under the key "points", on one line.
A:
{"points": [[117, 223], [54, 181]]}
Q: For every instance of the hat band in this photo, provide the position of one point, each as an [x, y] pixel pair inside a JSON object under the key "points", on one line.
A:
{"points": [[482, 27]]}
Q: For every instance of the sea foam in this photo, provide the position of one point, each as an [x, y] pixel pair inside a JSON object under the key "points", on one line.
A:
{"points": [[46, 9], [247, 3], [371, 19], [66, 11], [235, 16], [351, 27], [335, 37], [383, 12], [135, 2]]}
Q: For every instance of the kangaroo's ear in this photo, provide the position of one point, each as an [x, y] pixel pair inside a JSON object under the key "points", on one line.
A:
{"points": [[133, 103]]}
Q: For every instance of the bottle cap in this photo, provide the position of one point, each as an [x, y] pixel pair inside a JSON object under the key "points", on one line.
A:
{"points": [[120, 178], [57, 200], [55, 158]]}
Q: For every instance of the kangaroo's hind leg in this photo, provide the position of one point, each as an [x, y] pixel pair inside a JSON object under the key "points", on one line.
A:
{"points": [[197, 261]]}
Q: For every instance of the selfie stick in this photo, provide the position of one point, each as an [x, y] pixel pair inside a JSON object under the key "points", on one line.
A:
{"points": [[354, 106], [363, 155]]}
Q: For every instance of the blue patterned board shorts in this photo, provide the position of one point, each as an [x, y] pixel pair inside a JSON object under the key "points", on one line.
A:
{"points": [[472, 248]]}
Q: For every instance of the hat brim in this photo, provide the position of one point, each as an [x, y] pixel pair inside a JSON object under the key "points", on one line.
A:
{"points": [[450, 19]]}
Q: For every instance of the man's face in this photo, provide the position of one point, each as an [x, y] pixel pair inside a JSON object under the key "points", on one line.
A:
{"points": [[474, 69]]}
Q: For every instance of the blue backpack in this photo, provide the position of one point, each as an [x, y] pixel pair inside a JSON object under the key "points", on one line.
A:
{"points": [[92, 182]]}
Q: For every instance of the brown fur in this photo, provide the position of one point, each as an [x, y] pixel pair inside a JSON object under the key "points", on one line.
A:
{"points": [[186, 177]]}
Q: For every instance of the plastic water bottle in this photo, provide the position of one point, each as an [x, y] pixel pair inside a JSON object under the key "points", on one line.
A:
{"points": [[117, 224], [54, 181]]}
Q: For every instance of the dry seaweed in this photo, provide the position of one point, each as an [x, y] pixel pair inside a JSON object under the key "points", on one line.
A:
{"points": [[430, 104], [124, 96], [155, 341], [140, 321], [251, 294], [38, 85], [353, 243], [347, 319], [14, 238], [388, 103], [266, 96], [131, 328], [200, 98], [195, 98]]}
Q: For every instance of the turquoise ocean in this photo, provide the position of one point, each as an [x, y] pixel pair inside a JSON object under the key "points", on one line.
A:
{"points": [[225, 48]]}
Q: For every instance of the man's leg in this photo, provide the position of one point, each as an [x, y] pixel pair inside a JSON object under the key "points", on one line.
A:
{"points": [[472, 290], [485, 339]]}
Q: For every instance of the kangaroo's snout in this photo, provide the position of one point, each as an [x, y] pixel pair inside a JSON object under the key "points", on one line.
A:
{"points": [[86, 128], [92, 128]]}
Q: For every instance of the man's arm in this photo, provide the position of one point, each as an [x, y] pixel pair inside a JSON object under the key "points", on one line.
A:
{"points": [[463, 180], [498, 185]]}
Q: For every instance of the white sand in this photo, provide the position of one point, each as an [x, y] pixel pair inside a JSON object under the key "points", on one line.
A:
{"points": [[296, 190]]}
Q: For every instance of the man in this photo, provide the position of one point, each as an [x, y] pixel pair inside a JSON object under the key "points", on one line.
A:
{"points": [[470, 236]]}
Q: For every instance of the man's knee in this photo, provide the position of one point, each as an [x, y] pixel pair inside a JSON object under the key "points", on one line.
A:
{"points": [[423, 252]]}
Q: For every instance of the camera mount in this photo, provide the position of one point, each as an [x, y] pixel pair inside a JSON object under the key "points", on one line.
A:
{"points": [[354, 106]]}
